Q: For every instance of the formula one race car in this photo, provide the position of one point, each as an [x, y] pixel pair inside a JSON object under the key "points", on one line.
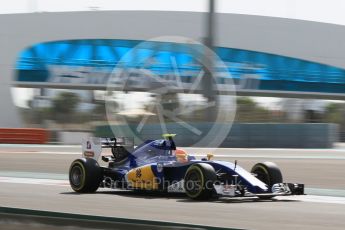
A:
{"points": [[157, 165]]}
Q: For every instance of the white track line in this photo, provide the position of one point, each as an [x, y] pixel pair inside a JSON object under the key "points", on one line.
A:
{"points": [[40, 152], [276, 156], [50, 182], [19, 180], [326, 157], [314, 199]]}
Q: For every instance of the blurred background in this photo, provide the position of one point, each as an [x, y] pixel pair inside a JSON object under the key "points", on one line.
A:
{"points": [[287, 71], [263, 80]]}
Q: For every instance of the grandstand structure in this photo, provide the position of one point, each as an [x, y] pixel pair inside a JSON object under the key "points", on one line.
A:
{"points": [[254, 72], [265, 56]]}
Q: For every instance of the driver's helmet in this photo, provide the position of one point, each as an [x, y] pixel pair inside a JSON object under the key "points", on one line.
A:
{"points": [[181, 155]]}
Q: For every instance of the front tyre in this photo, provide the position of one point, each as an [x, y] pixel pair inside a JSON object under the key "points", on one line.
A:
{"points": [[85, 175], [199, 180], [269, 173]]}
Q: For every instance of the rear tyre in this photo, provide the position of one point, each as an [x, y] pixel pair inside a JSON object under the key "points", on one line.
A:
{"points": [[269, 173], [199, 180], [85, 175]]}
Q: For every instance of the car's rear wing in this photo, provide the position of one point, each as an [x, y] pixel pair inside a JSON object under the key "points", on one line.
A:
{"points": [[92, 146], [110, 142]]}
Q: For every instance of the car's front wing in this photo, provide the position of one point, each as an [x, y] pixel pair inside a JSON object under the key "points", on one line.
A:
{"points": [[281, 189]]}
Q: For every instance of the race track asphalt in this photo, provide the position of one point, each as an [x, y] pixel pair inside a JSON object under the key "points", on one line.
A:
{"points": [[322, 170]]}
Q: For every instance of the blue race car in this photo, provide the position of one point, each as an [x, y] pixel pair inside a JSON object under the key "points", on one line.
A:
{"points": [[157, 165]]}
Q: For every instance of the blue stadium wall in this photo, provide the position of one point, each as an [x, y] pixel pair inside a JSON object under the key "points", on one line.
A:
{"points": [[276, 73]]}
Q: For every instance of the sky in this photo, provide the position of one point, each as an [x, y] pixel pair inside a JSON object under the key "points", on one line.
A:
{"points": [[329, 11]]}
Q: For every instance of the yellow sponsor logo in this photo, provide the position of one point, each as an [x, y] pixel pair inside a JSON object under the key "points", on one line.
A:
{"points": [[142, 178]]}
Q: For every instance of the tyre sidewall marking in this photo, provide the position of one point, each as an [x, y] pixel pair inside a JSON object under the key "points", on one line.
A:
{"points": [[263, 168], [82, 183], [202, 180]]}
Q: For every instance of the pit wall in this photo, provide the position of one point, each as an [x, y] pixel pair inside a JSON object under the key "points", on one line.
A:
{"points": [[242, 135]]}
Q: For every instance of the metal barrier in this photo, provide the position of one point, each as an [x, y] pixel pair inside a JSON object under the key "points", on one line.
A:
{"points": [[242, 135]]}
